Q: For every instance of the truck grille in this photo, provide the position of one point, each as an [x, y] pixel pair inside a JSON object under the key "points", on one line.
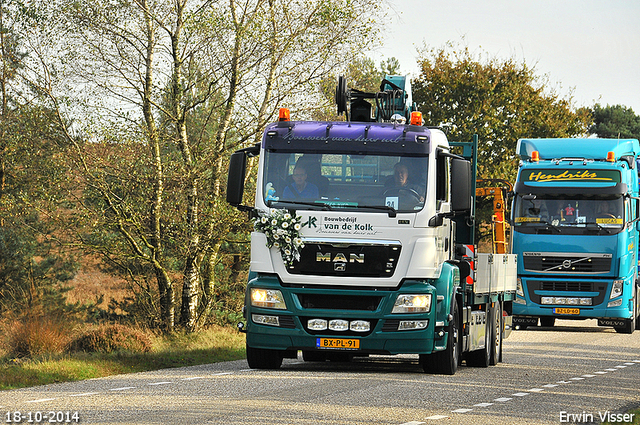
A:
{"points": [[540, 288], [566, 262], [338, 302], [347, 259]]}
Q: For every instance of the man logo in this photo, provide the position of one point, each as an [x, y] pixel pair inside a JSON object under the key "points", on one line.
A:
{"points": [[339, 257]]}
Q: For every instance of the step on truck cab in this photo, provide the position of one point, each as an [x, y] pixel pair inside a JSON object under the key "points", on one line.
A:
{"points": [[575, 231], [363, 241]]}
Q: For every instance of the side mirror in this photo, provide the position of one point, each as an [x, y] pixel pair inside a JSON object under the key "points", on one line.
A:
{"points": [[436, 221], [235, 182], [461, 179]]}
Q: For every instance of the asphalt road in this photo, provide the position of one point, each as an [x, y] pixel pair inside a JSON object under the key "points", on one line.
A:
{"points": [[575, 372]]}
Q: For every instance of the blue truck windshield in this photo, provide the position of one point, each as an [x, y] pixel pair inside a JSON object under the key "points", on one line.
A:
{"points": [[570, 215], [344, 180]]}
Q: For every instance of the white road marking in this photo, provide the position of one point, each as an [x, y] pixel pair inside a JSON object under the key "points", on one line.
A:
{"points": [[600, 372], [520, 394], [412, 423], [40, 400], [483, 405], [461, 410], [550, 385], [588, 376], [160, 383], [535, 390], [191, 379], [503, 399], [436, 417], [82, 395], [121, 388]]}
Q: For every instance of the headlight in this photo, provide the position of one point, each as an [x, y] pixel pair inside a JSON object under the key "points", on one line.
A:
{"points": [[267, 298], [412, 303], [616, 289]]}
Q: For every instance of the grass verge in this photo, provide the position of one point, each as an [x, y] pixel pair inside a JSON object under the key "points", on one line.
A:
{"points": [[208, 346]]}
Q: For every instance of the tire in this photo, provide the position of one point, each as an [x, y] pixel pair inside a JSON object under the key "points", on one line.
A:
{"points": [[259, 358], [547, 322], [446, 362]]}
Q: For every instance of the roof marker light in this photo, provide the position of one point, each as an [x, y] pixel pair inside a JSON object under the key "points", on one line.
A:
{"points": [[284, 114], [611, 156], [416, 118], [535, 156]]}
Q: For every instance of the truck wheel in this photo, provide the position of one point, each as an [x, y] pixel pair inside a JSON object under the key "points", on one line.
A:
{"points": [[259, 358], [446, 362], [547, 322]]}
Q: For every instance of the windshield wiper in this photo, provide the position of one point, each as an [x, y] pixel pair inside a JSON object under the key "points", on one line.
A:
{"points": [[323, 206], [392, 211], [549, 225], [591, 224]]}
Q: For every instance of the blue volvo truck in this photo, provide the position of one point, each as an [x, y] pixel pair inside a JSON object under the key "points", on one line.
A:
{"points": [[575, 232], [363, 242]]}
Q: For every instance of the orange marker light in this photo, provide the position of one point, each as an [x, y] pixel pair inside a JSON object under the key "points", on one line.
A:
{"points": [[535, 156], [611, 156], [416, 118], [284, 114]]}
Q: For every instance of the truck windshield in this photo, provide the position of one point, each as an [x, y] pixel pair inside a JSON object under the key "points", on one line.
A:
{"points": [[575, 214], [346, 181]]}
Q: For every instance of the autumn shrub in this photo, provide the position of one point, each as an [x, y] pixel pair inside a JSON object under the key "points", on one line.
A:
{"points": [[34, 336], [112, 338]]}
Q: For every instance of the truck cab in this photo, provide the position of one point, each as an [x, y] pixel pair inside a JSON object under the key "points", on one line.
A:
{"points": [[575, 231]]}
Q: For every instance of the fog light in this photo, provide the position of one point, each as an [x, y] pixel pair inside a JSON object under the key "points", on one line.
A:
{"points": [[339, 325], [265, 320], [360, 326], [412, 324], [616, 303], [317, 324]]}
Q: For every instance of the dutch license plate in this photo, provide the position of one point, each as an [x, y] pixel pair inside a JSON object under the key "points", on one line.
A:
{"points": [[338, 343], [560, 310]]}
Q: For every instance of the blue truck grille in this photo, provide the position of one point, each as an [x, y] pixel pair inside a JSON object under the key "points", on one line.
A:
{"points": [[567, 263], [534, 287]]}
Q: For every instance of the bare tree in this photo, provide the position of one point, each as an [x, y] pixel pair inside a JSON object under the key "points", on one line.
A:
{"points": [[162, 91]]}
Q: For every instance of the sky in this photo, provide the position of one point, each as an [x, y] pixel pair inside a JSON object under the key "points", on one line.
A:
{"points": [[588, 49]]}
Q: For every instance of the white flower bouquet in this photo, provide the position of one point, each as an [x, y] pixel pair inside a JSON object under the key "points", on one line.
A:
{"points": [[282, 229]]}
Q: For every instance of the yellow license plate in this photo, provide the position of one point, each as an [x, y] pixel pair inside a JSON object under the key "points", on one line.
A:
{"points": [[338, 343], [560, 310]]}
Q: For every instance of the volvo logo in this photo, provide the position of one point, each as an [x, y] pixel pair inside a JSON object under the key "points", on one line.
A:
{"points": [[339, 257], [566, 264]]}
